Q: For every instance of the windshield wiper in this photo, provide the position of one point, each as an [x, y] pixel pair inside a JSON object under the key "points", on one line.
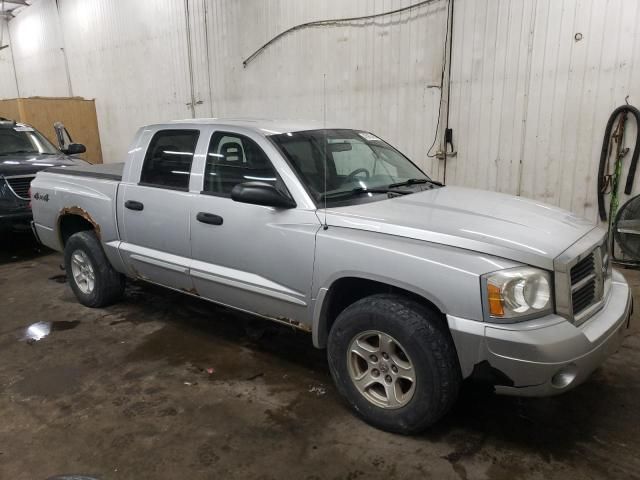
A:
{"points": [[415, 181], [360, 190]]}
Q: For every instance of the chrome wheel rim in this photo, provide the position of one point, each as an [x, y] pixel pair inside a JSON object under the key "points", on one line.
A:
{"points": [[82, 271], [381, 370]]}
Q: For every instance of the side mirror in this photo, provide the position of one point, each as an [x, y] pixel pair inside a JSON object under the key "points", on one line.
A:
{"points": [[260, 193], [74, 149]]}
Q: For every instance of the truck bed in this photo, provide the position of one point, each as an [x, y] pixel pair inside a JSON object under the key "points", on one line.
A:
{"points": [[89, 192], [109, 171]]}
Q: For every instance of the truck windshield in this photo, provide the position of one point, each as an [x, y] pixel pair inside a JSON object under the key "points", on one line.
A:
{"points": [[356, 163], [17, 139]]}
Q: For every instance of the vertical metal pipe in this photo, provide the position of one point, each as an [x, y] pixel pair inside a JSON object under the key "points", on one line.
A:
{"points": [[527, 88], [206, 46], [66, 66], [64, 51], [190, 58], [448, 89], [13, 60]]}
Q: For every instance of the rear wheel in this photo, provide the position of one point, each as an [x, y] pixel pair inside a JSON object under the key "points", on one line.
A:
{"points": [[394, 361], [92, 278]]}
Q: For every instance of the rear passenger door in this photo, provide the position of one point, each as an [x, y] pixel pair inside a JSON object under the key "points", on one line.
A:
{"points": [[154, 213], [252, 257]]}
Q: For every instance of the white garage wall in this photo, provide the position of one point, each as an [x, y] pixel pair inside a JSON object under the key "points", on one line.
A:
{"points": [[381, 74], [36, 44], [8, 85], [530, 103], [132, 57]]}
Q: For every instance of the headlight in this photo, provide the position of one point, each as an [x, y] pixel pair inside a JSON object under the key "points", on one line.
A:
{"points": [[517, 293]]}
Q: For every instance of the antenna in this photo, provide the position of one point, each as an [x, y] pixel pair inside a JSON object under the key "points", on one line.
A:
{"points": [[324, 145]]}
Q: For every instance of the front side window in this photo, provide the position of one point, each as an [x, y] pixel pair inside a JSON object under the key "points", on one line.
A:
{"points": [[355, 162], [234, 159], [167, 163]]}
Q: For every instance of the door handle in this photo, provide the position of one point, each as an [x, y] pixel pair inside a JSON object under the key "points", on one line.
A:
{"points": [[209, 218], [133, 205]]}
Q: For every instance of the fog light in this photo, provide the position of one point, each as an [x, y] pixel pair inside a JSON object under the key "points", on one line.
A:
{"points": [[564, 377]]}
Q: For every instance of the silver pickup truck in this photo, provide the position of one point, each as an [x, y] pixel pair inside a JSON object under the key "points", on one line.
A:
{"points": [[410, 285]]}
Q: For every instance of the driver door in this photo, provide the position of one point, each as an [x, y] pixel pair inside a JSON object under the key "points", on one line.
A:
{"points": [[252, 257]]}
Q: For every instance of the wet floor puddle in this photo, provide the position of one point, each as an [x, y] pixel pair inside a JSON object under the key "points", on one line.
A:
{"points": [[39, 330]]}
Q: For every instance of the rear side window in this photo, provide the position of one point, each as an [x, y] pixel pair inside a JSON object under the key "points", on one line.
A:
{"points": [[167, 163], [234, 159]]}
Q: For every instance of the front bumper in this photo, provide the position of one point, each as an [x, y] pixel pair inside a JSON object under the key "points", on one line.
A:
{"points": [[15, 220], [545, 356]]}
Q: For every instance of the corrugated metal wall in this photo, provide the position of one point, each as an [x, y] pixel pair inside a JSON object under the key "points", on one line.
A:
{"points": [[37, 50], [381, 74], [530, 102], [8, 86], [132, 57]]}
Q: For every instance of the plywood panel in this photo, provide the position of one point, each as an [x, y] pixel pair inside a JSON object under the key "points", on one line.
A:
{"points": [[77, 114], [9, 109]]}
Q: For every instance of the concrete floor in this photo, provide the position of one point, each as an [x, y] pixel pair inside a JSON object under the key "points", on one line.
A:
{"points": [[163, 386]]}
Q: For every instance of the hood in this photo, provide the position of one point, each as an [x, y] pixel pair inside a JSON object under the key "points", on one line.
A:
{"points": [[497, 224], [26, 164]]}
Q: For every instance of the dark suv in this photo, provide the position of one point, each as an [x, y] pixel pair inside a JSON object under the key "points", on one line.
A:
{"points": [[23, 152]]}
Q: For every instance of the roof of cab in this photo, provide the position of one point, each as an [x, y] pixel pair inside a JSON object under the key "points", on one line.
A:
{"points": [[262, 126]]}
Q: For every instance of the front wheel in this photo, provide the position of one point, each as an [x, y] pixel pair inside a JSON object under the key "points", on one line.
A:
{"points": [[93, 280], [394, 361]]}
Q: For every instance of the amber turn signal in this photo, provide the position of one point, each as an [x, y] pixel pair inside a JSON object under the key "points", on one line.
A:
{"points": [[495, 301]]}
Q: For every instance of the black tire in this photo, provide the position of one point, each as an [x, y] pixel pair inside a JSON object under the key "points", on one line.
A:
{"points": [[427, 342], [109, 284]]}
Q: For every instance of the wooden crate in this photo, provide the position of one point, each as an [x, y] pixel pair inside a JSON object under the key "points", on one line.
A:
{"points": [[77, 114]]}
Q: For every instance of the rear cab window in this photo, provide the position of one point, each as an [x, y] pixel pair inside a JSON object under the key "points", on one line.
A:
{"points": [[167, 163]]}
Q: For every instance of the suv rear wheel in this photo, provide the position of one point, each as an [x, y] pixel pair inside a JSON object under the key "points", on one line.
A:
{"points": [[92, 278], [394, 361]]}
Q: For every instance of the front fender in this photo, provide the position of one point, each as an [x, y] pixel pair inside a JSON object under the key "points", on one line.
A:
{"points": [[448, 277]]}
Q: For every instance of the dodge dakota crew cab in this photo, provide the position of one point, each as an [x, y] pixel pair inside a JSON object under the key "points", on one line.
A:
{"points": [[410, 285]]}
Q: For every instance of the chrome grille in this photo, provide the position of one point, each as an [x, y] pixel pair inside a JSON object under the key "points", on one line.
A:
{"points": [[582, 269], [583, 291], [19, 185], [582, 276]]}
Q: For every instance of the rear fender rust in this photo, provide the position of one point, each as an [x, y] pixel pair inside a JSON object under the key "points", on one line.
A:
{"points": [[81, 212]]}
